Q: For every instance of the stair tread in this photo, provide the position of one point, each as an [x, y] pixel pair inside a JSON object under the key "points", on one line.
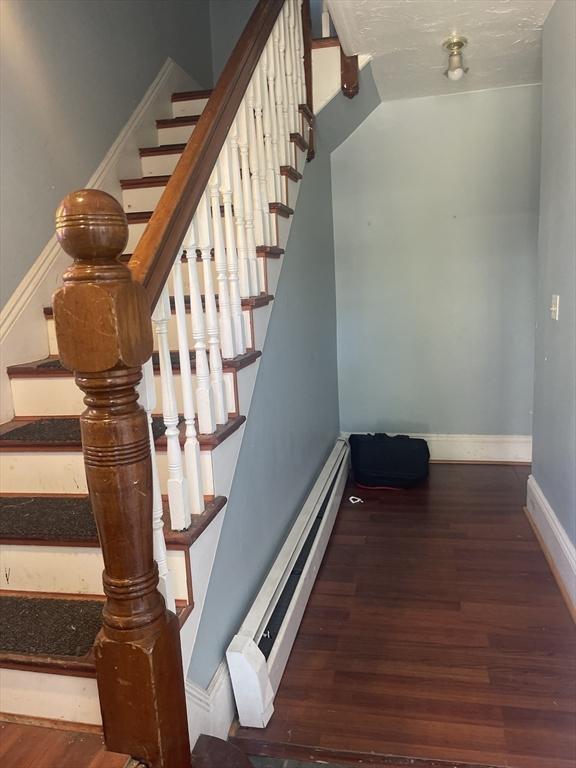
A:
{"points": [[143, 217], [68, 520], [190, 95], [252, 302], [142, 182], [58, 628], [62, 433], [50, 367], [173, 122]]}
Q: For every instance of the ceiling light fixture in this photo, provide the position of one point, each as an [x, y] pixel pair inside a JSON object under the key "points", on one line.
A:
{"points": [[454, 46]]}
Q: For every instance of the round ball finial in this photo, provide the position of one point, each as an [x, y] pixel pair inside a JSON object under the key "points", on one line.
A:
{"points": [[91, 225]]}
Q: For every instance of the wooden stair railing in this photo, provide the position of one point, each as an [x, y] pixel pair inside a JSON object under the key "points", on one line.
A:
{"points": [[104, 325]]}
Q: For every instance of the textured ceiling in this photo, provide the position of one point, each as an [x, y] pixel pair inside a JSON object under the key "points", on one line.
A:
{"points": [[405, 39]]}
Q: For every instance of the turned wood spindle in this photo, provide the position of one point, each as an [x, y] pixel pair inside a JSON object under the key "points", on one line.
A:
{"points": [[104, 335]]}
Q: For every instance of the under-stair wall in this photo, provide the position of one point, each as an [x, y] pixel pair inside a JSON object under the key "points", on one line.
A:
{"points": [[292, 422]]}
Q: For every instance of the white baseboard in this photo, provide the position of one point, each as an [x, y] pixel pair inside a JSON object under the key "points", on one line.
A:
{"points": [[211, 710], [23, 334], [559, 550], [477, 448]]}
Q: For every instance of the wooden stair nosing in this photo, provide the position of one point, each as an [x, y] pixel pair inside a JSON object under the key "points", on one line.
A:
{"points": [[252, 302], [176, 122], [299, 140], [75, 666], [175, 540], [207, 442], [145, 182], [305, 110], [163, 149], [191, 95]]}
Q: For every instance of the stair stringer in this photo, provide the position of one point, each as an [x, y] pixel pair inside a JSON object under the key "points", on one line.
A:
{"points": [[203, 550]]}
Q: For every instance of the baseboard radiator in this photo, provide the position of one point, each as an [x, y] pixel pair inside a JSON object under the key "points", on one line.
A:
{"points": [[258, 654]]}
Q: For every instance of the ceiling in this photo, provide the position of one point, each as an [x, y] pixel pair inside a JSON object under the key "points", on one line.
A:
{"points": [[405, 38]]}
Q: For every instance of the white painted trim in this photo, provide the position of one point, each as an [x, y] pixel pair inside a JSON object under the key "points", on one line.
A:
{"points": [[558, 548], [23, 336], [475, 448], [211, 710], [256, 679]]}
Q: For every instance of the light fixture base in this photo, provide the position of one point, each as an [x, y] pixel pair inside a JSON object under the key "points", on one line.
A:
{"points": [[455, 43]]}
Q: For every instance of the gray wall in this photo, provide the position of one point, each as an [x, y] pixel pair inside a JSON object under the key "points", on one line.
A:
{"points": [[435, 213], [72, 72], [554, 464], [292, 426], [227, 21]]}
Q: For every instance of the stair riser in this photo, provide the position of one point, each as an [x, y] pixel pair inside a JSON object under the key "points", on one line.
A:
{"points": [[61, 397], [140, 199], [177, 134], [41, 471], [56, 697], [172, 335], [192, 107], [71, 570], [159, 165], [136, 230]]}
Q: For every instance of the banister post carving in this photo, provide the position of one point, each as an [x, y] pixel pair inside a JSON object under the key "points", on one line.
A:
{"points": [[104, 335]]}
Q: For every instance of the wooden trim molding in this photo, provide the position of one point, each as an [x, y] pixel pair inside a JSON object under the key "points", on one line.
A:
{"points": [[349, 75]]}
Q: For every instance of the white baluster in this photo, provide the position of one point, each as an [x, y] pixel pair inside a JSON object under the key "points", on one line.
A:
{"points": [[250, 187], [300, 73], [211, 315], [204, 400], [283, 136], [191, 445], [325, 20], [282, 20], [177, 485], [262, 71], [147, 399], [290, 67], [224, 309], [275, 130], [229, 157], [258, 157]]}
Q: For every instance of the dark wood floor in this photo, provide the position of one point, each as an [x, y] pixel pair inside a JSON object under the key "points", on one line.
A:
{"points": [[30, 746], [435, 630]]}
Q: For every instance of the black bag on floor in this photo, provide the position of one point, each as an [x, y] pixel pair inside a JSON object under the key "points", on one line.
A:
{"points": [[380, 461]]}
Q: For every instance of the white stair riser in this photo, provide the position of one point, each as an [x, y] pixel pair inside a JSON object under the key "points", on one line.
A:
{"points": [[56, 697], [63, 471], [188, 108], [140, 199], [177, 134], [159, 165], [172, 336], [136, 230], [70, 570], [59, 396]]}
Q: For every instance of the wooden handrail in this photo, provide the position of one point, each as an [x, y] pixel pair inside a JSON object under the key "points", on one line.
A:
{"points": [[154, 255]]}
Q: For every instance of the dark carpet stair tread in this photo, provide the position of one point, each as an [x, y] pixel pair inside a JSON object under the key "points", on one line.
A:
{"points": [[48, 626], [59, 430], [47, 518], [57, 519], [53, 364]]}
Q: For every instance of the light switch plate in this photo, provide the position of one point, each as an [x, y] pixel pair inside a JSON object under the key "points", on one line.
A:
{"points": [[555, 306]]}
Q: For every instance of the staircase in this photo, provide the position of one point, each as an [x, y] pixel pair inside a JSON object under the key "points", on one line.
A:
{"points": [[180, 282]]}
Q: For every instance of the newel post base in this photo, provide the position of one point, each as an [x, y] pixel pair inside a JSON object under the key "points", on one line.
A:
{"points": [[104, 335], [139, 698]]}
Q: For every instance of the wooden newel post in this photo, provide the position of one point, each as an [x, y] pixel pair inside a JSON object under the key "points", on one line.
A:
{"points": [[104, 335]]}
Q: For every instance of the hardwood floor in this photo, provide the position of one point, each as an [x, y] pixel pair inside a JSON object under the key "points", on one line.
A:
{"points": [[32, 746], [435, 630]]}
